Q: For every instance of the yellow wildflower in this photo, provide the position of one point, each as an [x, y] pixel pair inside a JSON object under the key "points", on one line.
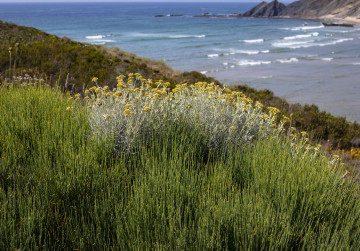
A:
{"points": [[233, 128], [94, 79], [127, 106], [87, 92], [121, 77], [259, 104], [273, 109], [117, 94], [127, 112], [147, 109], [68, 108]]}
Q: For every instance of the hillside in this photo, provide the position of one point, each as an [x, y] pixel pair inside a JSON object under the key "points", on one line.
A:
{"points": [[323, 9], [29, 53], [347, 10]]}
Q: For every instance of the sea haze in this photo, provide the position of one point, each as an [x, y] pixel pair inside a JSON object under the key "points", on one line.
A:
{"points": [[299, 60]]}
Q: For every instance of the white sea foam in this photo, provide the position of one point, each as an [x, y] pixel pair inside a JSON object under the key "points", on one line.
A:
{"points": [[307, 44], [253, 41], [95, 37], [213, 55], [338, 41], [315, 34], [252, 62], [247, 52], [225, 63], [327, 59], [287, 60], [293, 45], [187, 36], [203, 72], [102, 41], [357, 63], [304, 28]]}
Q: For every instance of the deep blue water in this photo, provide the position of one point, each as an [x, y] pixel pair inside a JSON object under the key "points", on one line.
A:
{"points": [[299, 60]]}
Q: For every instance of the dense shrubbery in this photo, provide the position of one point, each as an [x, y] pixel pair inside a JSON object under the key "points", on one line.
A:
{"points": [[67, 183]]}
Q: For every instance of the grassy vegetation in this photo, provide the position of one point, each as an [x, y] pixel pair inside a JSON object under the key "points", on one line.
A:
{"points": [[67, 183]]}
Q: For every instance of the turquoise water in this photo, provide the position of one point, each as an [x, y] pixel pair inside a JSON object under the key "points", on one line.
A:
{"points": [[299, 60]]}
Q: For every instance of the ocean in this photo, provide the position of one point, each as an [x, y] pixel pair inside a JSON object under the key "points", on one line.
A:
{"points": [[299, 60]]}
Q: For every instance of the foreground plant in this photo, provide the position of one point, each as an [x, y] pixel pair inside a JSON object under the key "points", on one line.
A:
{"points": [[138, 107]]}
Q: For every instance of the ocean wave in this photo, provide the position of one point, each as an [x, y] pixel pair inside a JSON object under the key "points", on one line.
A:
{"points": [[349, 30], [314, 34], [95, 37], [247, 52], [187, 36], [102, 41], [252, 62], [213, 55], [251, 41], [357, 63], [303, 28], [293, 45], [307, 44], [327, 59], [287, 60]]}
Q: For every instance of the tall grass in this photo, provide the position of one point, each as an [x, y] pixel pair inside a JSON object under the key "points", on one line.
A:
{"points": [[64, 183]]}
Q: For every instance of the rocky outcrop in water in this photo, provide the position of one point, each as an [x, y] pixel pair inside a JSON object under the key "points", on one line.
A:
{"points": [[265, 9]]}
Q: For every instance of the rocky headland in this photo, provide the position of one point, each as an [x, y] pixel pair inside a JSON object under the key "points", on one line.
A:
{"points": [[335, 10]]}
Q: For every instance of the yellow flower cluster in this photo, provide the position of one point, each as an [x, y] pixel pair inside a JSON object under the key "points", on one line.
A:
{"points": [[355, 153], [134, 95]]}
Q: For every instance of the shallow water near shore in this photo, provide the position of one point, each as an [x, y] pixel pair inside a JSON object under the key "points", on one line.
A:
{"points": [[299, 60]]}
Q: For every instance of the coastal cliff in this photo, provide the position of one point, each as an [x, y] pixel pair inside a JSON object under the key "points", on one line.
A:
{"points": [[342, 10], [265, 9], [348, 10]]}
